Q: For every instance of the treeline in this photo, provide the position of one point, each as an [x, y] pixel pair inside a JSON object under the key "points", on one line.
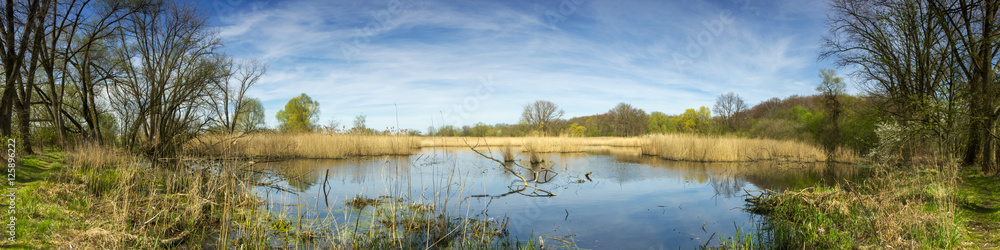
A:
{"points": [[802, 118], [144, 75]]}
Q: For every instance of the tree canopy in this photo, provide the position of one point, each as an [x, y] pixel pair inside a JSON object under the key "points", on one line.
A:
{"points": [[300, 114]]}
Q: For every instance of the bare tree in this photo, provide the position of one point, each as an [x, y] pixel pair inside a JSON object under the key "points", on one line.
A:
{"points": [[728, 106], [228, 101], [905, 57], [169, 65], [972, 30], [540, 114], [628, 120], [22, 33]]}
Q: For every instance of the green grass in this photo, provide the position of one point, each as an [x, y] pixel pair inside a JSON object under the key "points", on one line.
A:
{"points": [[979, 198], [898, 208]]}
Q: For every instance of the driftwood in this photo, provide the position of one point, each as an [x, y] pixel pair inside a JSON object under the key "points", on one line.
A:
{"points": [[518, 188]]}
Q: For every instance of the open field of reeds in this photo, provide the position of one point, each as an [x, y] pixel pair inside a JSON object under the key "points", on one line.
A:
{"points": [[302, 145], [674, 147], [731, 149]]}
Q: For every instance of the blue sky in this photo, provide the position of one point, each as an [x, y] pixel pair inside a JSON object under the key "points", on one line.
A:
{"points": [[463, 62]]}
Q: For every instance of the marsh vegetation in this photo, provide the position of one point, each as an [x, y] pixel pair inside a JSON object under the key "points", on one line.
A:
{"points": [[126, 126]]}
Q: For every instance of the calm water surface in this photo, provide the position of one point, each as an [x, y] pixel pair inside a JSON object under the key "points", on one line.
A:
{"points": [[631, 201]]}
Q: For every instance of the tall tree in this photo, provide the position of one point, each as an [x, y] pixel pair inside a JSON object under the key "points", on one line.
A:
{"points": [[252, 118], [831, 89], [540, 114], [906, 57], [729, 106], [168, 61], [230, 91], [628, 120], [300, 114], [973, 37], [22, 33]]}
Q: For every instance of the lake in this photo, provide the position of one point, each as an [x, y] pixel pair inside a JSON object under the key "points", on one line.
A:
{"points": [[627, 201]]}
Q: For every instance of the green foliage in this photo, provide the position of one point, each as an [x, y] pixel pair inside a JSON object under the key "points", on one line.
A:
{"points": [[299, 115], [695, 121], [109, 127], [660, 123], [831, 84], [251, 116], [575, 130]]}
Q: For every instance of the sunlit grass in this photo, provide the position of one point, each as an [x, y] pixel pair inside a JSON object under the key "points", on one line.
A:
{"points": [[896, 208]]}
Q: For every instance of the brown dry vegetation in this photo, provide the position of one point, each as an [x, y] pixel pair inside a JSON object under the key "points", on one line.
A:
{"points": [[674, 147], [694, 148], [100, 197], [301, 145]]}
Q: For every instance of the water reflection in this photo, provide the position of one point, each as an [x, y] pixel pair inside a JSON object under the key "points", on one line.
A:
{"points": [[608, 197]]}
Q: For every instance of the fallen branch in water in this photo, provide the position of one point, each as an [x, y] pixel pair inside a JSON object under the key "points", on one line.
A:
{"points": [[523, 186]]}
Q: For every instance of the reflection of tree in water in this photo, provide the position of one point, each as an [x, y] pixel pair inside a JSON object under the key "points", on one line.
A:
{"points": [[539, 173], [729, 178], [784, 176], [303, 174], [727, 186], [299, 174]]}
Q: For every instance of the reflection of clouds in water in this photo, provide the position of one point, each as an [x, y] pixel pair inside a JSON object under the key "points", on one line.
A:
{"points": [[633, 200]]}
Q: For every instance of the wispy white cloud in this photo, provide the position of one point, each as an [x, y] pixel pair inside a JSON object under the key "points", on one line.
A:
{"points": [[426, 57]]}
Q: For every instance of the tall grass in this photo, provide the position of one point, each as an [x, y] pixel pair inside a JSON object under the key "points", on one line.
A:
{"points": [[538, 144], [895, 208], [129, 204], [731, 149], [674, 147], [302, 145]]}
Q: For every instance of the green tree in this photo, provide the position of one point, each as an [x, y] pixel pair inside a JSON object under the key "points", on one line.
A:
{"points": [[252, 116], [660, 123], [695, 121], [299, 115], [575, 130], [831, 88], [360, 124]]}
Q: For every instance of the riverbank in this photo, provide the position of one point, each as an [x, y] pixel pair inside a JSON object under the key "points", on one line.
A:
{"points": [[919, 207]]}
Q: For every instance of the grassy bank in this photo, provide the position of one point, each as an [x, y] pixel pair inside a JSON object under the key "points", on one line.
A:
{"points": [[103, 198], [922, 207], [673, 147]]}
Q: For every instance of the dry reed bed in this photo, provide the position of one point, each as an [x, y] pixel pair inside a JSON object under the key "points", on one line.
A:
{"points": [[534, 144], [331, 146], [674, 147], [134, 205], [732, 149]]}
